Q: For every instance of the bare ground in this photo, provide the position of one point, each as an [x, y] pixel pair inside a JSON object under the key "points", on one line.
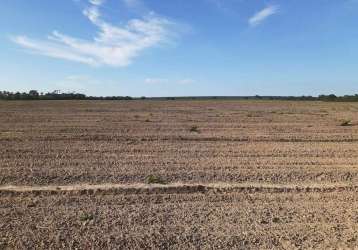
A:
{"points": [[251, 175], [219, 220]]}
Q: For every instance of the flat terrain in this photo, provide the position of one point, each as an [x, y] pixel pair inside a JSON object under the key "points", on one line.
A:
{"points": [[238, 174]]}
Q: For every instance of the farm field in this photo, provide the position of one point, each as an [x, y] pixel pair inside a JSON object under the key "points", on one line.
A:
{"points": [[236, 174]]}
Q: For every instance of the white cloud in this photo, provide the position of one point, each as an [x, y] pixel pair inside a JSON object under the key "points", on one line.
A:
{"points": [[97, 2], [113, 45], [156, 80], [52, 50], [263, 14]]}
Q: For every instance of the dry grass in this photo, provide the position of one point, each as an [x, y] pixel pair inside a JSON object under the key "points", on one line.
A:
{"points": [[240, 142]]}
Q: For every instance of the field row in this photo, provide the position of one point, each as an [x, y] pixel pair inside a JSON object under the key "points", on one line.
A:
{"points": [[111, 162]]}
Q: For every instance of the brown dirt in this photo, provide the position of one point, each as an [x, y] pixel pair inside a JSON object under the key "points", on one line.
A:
{"points": [[253, 175]]}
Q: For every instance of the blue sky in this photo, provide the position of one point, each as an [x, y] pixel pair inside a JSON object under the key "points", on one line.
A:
{"points": [[180, 47]]}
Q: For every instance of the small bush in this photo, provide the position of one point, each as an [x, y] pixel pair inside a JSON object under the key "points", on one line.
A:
{"points": [[152, 179], [194, 129], [346, 123], [86, 217]]}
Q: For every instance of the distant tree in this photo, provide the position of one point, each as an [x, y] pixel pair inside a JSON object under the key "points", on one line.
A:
{"points": [[33, 94], [328, 98]]}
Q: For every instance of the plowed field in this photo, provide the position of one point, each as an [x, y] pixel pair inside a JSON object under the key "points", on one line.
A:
{"points": [[235, 175]]}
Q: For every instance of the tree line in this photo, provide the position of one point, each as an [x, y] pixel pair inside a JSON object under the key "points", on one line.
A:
{"points": [[57, 95]]}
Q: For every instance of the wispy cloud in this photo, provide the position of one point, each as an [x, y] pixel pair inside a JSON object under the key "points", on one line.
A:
{"points": [[263, 14], [156, 80], [113, 45], [96, 2]]}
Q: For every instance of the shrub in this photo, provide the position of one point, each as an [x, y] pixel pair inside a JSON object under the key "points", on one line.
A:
{"points": [[346, 123], [86, 217], [194, 129], [152, 179]]}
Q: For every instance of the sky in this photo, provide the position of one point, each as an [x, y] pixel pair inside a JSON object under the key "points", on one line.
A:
{"points": [[180, 47]]}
